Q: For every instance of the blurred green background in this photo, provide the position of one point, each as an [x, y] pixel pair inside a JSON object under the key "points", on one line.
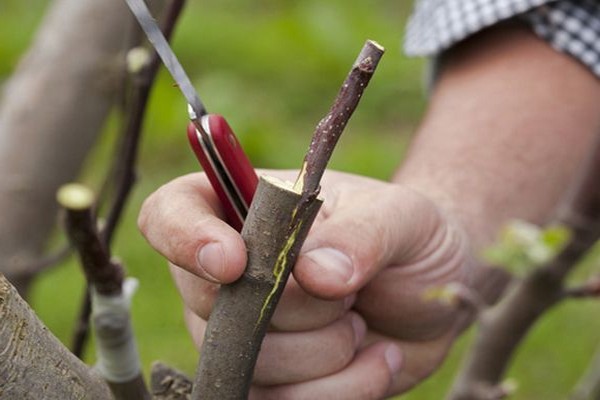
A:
{"points": [[273, 69]]}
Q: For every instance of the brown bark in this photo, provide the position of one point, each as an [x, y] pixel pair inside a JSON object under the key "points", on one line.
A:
{"points": [[52, 110], [169, 384], [33, 363], [277, 223], [330, 128]]}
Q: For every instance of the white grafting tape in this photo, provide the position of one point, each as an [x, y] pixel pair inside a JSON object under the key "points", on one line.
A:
{"points": [[118, 359]]}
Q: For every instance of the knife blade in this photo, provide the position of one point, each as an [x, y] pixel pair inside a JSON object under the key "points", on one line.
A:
{"points": [[213, 142]]}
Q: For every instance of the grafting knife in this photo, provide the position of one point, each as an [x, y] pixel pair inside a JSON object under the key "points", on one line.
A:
{"points": [[214, 143]]}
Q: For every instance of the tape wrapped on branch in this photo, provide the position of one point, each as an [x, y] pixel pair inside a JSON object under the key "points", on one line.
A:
{"points": [[118, 359]]}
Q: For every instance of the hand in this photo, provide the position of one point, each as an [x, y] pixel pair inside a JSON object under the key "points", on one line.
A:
{"points": [[352, 322]]}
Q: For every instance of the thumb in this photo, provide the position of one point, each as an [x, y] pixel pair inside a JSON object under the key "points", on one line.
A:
{"points": [[363, 231]]}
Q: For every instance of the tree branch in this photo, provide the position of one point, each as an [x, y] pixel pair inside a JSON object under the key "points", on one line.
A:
{"points": [[330, 128], [33, 363], [118, 360], [278, 222], [507, 324]]}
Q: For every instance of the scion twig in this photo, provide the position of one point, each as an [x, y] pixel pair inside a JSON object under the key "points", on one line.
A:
{"points": [[330, 128]]}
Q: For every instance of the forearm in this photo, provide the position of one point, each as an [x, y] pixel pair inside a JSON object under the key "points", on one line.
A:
{"points": [[508, 124]]}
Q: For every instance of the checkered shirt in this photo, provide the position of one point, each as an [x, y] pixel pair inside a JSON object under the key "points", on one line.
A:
{"points": [[570, 26]]}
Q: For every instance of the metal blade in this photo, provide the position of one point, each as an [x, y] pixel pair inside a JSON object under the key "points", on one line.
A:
{"points": [[156, 37]]}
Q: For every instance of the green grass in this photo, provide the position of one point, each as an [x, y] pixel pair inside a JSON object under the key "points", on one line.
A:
{"points": [[273, 68]]}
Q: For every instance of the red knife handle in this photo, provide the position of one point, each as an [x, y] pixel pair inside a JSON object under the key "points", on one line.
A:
{"points": [[233, 159], [233, 156]]}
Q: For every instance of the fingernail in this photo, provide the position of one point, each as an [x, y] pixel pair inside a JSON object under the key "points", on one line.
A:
{"points": [[393, 358], [333, 261], [211, 260], [360, 329]]}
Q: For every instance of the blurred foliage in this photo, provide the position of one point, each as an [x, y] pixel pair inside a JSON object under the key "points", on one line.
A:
{"points": [[273, 68], [521, 246]]}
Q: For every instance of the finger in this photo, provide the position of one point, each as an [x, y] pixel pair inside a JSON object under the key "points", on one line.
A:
{"points": [[289, 357], [369, 376], [364, 231], [419, 359], [180, 220], [198, 294], [296, 310], [407, 313], [299, 311]]}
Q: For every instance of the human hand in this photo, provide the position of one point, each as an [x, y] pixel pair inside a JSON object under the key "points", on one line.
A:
{"points": [[356, 295]]}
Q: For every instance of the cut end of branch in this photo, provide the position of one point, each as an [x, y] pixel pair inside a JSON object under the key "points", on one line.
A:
{"points": [[75, 196]]}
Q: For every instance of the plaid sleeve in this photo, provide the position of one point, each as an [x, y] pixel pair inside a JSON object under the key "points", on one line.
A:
{"points": [[570, 26]]}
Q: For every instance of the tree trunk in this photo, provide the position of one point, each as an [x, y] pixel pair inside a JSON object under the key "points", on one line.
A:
{"points": [[33, 363], [51, 112]]}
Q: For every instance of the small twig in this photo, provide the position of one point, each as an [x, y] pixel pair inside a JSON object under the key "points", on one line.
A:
{"points": [[586, 290], [125, 159], [49, 260], [277, 224], [330, 128], [99, 269], [118, 360], [82, 327], [458, 296]]}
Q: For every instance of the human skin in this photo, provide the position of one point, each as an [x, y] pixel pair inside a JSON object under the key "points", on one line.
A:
{"points": [[508, 124]]}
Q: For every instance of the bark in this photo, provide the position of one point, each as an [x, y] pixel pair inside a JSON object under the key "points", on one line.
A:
{"points": [[118, 359], [277, 223], [169, 384], [33, 363], [330, 128], [51, 112]]}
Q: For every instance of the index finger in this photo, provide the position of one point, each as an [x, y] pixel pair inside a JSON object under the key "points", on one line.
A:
{"points": [[182, 221]]}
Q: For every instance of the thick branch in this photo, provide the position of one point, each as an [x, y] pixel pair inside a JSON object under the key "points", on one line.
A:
{"points": [[43, 141], [277, 224], [33, 363], [506, 325]]}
